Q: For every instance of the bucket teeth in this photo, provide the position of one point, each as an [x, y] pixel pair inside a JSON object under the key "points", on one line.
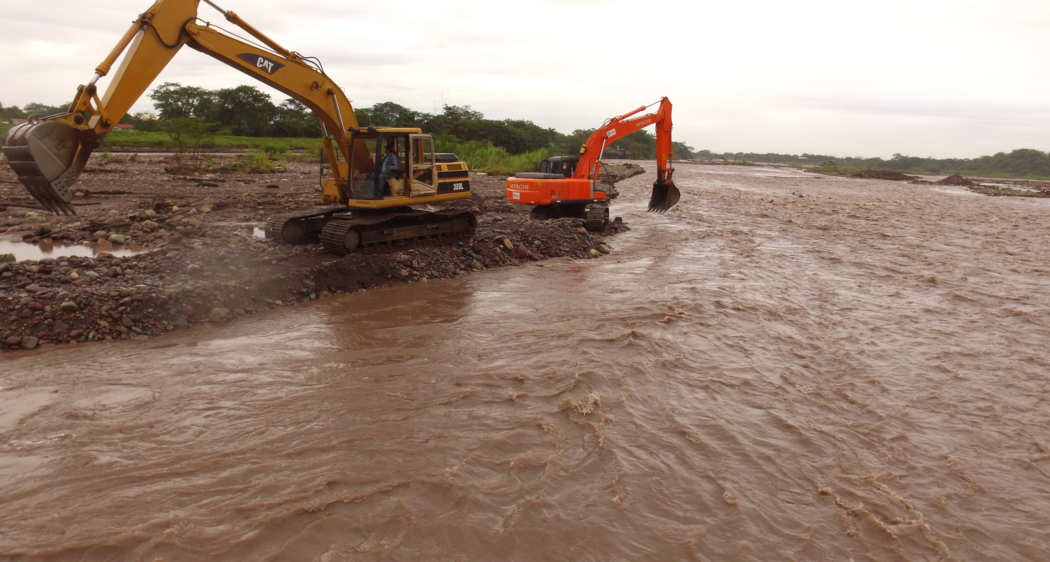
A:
{"points": [[43, 156], [665, 196]]}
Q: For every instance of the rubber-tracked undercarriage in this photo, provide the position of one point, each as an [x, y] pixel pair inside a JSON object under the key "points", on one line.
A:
{"points": [[595, 215], [390, 230], [303, 227], [344, 231]]}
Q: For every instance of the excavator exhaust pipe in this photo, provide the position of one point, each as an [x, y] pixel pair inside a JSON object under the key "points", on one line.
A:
{"points": [[665, 196], [44, 156]]}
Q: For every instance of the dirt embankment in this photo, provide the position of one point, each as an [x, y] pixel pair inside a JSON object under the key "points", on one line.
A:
{"points": [[984, 186], [890, 175], [200, 257], [995, 187]]}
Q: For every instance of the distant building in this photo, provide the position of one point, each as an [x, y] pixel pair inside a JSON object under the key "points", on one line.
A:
{"points": [[614, 153], [122, 126], [19, 121]]}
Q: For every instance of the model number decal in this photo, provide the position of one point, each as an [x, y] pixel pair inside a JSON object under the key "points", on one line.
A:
{"points": [[457, 186], [264, 64]]}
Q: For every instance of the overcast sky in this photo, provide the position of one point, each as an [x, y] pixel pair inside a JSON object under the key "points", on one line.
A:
{"points": [[943, 78]]}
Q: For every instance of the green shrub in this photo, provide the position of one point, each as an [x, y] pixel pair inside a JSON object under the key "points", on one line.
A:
{"points": [[153, 139], [257, 162], [484, 157]]}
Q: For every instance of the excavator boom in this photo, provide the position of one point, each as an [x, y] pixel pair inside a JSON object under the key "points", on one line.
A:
{"points": [[49, 152], [665, 194]]}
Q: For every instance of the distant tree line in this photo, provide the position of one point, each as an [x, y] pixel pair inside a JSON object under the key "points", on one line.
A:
{"points": [[243, 111], [462, 123], [15, 112], [516, 136], [1023, 162], [247, 111]]}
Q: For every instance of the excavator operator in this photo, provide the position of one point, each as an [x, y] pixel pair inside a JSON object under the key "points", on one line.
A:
{"points": [[390, 166]]}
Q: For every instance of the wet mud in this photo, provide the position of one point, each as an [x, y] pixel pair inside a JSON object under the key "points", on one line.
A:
{"points": [[782, 367], [151, 252]]}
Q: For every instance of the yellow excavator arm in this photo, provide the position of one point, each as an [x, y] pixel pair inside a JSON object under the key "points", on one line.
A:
{"points": [[49, 153]]}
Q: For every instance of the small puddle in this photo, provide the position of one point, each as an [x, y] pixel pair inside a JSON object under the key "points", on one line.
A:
{"points": [[46, 249]]}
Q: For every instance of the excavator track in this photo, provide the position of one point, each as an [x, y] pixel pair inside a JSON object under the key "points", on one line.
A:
{"points": [[387, 231], [302, 227], [596, 217]]}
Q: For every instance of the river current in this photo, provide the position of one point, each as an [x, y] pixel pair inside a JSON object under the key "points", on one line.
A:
{"points": [[784, 367]]}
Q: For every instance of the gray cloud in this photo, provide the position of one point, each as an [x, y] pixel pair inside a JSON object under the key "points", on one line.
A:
{"points": [[950, 78]]}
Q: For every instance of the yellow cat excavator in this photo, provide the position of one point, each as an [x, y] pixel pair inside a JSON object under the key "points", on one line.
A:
{"points": [[369, 196]]}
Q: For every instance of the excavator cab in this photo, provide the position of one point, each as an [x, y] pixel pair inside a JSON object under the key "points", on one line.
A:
{"points": [[391, 169], [420, 176], [563, 165], [369, 179]]}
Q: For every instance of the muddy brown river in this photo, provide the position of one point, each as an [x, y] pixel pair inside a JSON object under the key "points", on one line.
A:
{"points": [[859, 373]]}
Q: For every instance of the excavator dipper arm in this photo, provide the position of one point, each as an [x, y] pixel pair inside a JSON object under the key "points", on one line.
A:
{"points": [[49, 153], [665, 194]]}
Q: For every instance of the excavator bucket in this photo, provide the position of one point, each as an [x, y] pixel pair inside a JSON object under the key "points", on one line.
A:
{"points": [[665, 196], [43, 156]]}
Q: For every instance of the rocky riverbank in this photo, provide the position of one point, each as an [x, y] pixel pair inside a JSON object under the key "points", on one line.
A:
{"points": [[169, 252]]}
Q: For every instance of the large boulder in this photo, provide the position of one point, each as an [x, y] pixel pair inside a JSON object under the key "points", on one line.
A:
{"points": [[220, 315]]}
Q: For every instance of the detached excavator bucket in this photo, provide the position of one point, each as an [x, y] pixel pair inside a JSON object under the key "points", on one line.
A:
{"points": [[665, 196], [43, 156]]}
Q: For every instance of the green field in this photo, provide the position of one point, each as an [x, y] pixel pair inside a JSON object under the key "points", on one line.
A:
{"points": [[480, 156], [144, 139], [484, 157]]}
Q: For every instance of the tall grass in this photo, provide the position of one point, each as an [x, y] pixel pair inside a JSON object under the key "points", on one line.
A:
{"points": [[479, 155], [258, 162], [484, 157], [155, 139]]}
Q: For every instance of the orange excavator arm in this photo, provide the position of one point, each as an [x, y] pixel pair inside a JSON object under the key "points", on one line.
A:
{"points": [[49, 153], [665, 194]]}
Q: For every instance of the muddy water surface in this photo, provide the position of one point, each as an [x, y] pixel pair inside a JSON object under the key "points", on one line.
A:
{"points": [[23, 251], [860, 373]]}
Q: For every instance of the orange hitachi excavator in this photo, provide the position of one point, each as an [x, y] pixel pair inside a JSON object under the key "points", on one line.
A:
{"points": [[567, 187]]}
